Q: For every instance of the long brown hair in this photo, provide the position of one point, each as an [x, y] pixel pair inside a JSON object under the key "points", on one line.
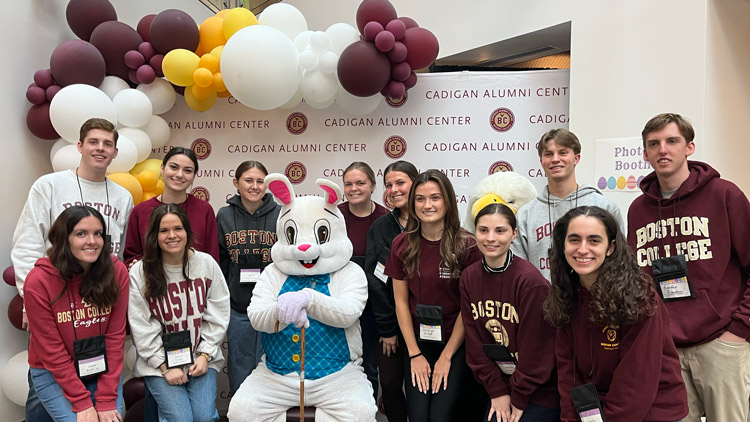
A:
{"points": [[98, 286], [622, 293], [153, 266], [452, 247]]}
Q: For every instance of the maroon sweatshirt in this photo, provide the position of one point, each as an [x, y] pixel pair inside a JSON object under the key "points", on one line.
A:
{"points": [[635, 368], [52, 332], [511, 299], [357, 227], [707, 221]]}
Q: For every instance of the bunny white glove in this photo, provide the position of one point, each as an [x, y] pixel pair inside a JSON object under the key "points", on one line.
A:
{"points": [[291, 308]]}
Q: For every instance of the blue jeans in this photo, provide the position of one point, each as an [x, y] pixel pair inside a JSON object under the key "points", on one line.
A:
{"points": [[51, 395], [35, 411], [245, 349], [194, 401]]}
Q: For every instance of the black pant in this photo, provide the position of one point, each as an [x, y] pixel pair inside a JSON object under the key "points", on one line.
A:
{"points": [[392, 382], [370, 348], [443, 406]]}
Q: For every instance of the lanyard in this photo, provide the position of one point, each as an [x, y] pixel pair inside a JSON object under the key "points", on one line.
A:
{"points": [[106, 190]]}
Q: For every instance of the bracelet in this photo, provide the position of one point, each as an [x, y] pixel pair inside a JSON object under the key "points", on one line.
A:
{"points": [[164, 371], [207, 356], [416, 356]]}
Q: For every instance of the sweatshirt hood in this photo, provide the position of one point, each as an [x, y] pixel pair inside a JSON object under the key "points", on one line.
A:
{"points": [[45, 265], [581, 192], [700, 174], [266, 206]]}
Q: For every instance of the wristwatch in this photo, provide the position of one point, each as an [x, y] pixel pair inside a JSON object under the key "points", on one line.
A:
{"points": [[208, 357]]}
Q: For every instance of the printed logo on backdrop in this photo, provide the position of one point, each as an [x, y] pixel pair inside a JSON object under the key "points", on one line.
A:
{"points": [[296, 172], [395, 147], [201, 192], [500, 166], [296, 123], [502, 119], [202, 148], [387, 202], [397, 102], [620, 165]]}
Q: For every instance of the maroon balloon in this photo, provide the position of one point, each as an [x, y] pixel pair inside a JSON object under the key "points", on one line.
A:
{"points": [[135, 413], [15, 312], [363, 70], [397, 28], [396, 89], [144, 27], [147, 50], [114, 39], [155, 63], [385, 41], [9, 276], [173, 29], [43, 78], [134, 59], [409, 22], [35, 95], [410, 81], [381, 11], [400, 71], [77, 62], [145, 74], [133, 390], [85, 15], [372, 29], [398, 53], [423, 47], [51, 91], [38, 122]]}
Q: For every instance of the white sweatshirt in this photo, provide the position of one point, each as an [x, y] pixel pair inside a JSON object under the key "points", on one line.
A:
{"points": [[48, 197]]}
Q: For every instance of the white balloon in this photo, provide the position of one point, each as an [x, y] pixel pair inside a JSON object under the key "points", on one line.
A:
{"points": [[74, 104], [318, 87], [294, 102], [111, 85], [66, 158], [127, 156], [328, 61], [320, 105], [161, 94], [259, 65], [302, 40], [158, 131], [141, 141], [357, 106], [308, 60], [319, 41], [133, 107], [341, 35], [15, 380], [284, 17], [56, 147]]}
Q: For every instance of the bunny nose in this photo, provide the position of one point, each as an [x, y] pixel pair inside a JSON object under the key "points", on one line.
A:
{"points": [[304, 247]]}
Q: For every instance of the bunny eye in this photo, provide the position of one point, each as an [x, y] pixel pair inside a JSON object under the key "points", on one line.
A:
{"points": [[322, 231], [290, 231]]}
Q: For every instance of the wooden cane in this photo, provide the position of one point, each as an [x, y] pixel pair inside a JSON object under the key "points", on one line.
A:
{"points": [[301, 371]]}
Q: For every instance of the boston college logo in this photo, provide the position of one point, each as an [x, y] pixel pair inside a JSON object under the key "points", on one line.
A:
{"points": [[397, 102], [502, 119], [500, 166], [296, 123], [201, 192], [387, 201], [395, 147], [296, 172], [202, 148]]}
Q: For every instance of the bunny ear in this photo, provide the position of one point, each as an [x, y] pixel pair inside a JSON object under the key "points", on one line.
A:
{"points": [[332, 190], [280, 187]]}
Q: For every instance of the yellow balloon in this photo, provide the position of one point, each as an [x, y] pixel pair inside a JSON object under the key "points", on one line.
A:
{"points": [[203, 78], [223, 94], [179, 65], [200, 105], [211, 33], [130, 183], [237, 19], [218, 82], [210, 62], [148, 195], [159, 189], [147, 180], [199, 93], [152, 164], [223, 13]]}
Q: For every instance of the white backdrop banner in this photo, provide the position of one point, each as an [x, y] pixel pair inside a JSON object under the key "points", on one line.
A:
{"points": [[467, 125]]}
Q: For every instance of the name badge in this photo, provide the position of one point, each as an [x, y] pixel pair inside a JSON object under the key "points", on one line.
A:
{"points": [[179, 357], [380, 272], [92, 366], [675, 288], [178, 350], [671, 274], [508, 368], [249, 275], [430, 332], [593, 415]]}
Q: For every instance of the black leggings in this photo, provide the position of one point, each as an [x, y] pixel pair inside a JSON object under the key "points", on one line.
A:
{"points": [[443, 405], [392, 382]]}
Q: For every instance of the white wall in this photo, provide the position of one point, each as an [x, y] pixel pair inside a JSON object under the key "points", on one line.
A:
{"points": [[630, 60]]}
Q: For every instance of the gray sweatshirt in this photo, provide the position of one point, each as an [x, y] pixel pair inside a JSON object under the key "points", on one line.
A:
{"points": [[536, 219]]}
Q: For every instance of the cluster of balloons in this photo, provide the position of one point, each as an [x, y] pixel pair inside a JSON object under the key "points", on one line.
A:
{"points": [[143, 181], [391, 48]]}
